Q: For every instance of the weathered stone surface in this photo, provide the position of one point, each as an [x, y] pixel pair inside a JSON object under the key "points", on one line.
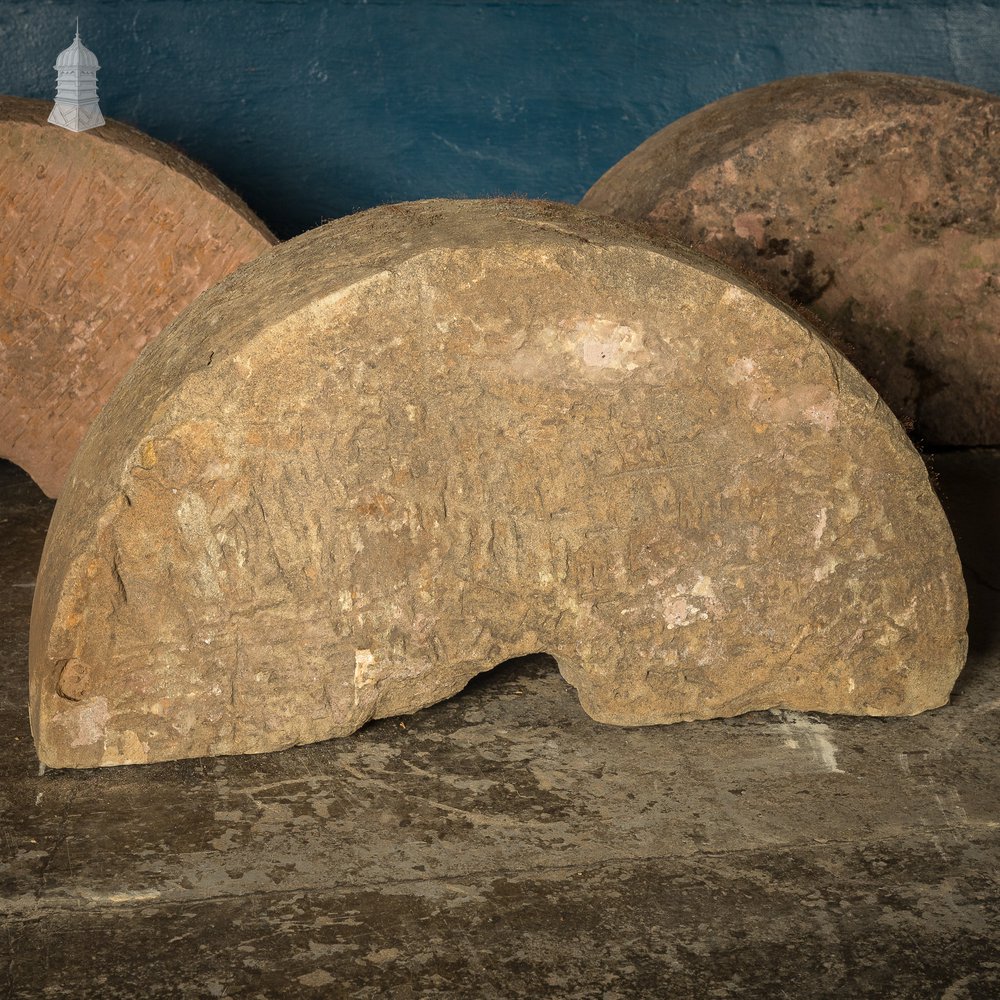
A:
{"points": [[873, 200], [105, 236], [413, 443]]}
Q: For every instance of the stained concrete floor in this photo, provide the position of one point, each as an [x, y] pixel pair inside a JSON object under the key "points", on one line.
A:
{"points": [[503, 845]]}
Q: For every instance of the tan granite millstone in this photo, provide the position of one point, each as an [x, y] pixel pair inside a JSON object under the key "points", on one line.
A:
{"points": [[410, 444], [871, 199], [105, 236]]}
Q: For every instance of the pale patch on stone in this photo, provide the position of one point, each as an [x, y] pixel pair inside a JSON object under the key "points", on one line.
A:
{"points": [[750, 225], [89, 721], [820, 527], [828, 566], [130, 748], [742, 370], [193, 521], [679, 612], [946, 586], [906, 617], [813, 402], [604, 343], [734, 294], [364, 674], [823, 415]]}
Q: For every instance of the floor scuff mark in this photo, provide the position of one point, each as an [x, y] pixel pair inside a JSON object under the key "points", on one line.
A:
{"points": [[803, 732]]}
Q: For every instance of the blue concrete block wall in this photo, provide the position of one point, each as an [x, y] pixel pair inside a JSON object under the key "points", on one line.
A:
{"points": [[314, 109]]}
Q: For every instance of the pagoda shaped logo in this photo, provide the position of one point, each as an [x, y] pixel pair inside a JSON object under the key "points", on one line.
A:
{"points": [[76, 106]]}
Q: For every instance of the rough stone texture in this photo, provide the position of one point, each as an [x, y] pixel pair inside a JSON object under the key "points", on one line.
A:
{"points": [[105, 236], [416, 442], [871, 199]]}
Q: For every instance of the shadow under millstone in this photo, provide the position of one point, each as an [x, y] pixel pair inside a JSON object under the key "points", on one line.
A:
{"points": [[510, 674], [968, 484]]}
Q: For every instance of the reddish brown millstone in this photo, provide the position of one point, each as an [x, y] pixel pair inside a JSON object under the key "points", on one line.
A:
{"points": [[105, 236], [871, 199], [403, 447]]}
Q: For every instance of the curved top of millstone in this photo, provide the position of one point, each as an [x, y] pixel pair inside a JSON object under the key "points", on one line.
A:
{"points": [[418, 441], [105, 236], [870, 198]]}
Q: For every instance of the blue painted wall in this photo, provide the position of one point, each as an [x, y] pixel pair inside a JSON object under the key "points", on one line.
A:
{"points": [[315, 109]]}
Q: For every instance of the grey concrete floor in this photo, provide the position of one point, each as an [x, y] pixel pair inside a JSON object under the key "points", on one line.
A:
{"points": [[504, 845]]}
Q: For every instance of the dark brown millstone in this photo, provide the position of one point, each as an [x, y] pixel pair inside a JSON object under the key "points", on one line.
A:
{"points": [[413, 443], [105, 236], [873, 200]]}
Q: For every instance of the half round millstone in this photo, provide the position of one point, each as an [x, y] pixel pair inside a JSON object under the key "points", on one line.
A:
{"points": [[105, 236], [872, 199], [412, 443]]}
